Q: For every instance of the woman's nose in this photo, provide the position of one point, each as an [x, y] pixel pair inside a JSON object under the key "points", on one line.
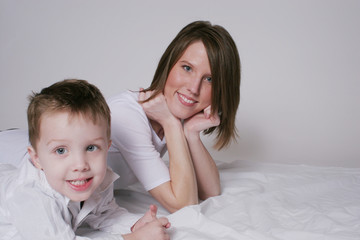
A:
{"points": [[194, 85]]}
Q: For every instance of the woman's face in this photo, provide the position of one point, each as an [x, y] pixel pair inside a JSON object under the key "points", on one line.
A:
{"points": [[188, 86]]}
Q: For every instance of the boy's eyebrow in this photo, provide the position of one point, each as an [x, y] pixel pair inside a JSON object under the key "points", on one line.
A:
{"points": [[54, 140], [99, 138], [62, 140]]}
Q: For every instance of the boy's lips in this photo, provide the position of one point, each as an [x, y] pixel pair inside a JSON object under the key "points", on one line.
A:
{"points": [[80, 184]]}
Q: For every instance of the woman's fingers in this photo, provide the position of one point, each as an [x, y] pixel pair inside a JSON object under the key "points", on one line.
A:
{"points": [[143, 95]]}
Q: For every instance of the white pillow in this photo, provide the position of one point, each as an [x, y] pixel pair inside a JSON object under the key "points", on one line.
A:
{"points": [[13, 146]]}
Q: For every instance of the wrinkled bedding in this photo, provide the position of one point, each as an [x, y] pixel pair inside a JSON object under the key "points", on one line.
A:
{"points": [[267, 202], [258, 201]]}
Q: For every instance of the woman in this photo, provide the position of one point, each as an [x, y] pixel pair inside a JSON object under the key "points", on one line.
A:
{"points": [[196, 88]]}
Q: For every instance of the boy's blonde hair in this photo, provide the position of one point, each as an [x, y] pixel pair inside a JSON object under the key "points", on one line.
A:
{"points": [[72, 95]]}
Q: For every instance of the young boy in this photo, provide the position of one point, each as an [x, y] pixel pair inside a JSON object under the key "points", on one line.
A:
{"points": [[66, 183]]}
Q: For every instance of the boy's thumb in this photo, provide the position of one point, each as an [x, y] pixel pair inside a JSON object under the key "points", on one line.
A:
{"points": [[153, 210]]}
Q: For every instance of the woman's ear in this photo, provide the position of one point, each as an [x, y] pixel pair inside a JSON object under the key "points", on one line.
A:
{"points": [[34, 157]]}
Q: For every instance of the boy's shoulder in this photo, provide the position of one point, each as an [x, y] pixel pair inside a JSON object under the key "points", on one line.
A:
{"points": [[9, 179], [19, 182], [8, 175]]}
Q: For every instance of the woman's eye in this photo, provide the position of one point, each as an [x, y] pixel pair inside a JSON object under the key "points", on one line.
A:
{"points": [[91, 148], [187, 68], [208, 79], [60, 151]]}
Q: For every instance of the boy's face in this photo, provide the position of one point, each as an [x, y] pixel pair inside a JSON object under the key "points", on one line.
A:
{"points": [[72, 153]]}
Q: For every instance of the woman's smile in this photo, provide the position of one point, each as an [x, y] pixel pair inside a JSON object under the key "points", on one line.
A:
{"points": [[186, 100]]}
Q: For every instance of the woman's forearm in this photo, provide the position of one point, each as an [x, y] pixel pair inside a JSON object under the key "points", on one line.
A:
{"points": [[181, 167], [207, 173], [182, 188]]}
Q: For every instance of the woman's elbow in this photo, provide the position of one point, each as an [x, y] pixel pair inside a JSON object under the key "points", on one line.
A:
{"points": [[205, 195], [175, 206]]}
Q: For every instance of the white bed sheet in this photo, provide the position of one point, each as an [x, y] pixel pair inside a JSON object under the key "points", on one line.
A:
{"points": [[268, 201], [258, 201]]}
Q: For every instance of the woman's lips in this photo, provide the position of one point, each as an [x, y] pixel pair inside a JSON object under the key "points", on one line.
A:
{"points": [[185, 100]]}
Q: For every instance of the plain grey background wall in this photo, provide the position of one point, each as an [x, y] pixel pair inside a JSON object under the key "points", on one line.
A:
{"points": [[300, 65]]}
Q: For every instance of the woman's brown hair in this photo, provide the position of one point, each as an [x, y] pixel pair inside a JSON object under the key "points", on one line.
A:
{"points": [[225, 73]]}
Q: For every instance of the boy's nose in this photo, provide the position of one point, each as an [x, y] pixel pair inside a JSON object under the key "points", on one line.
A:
{"points": [[80, 163]]}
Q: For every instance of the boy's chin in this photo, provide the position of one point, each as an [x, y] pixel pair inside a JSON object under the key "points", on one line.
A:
{"points": [[79, 198]]}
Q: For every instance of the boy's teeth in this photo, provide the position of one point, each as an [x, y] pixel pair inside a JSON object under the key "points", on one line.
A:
{"points": [[78, 182]]}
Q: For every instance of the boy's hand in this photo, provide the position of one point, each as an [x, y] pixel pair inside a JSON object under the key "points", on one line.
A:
{"points": [[149, 227], [149, 216], [153, 230]]}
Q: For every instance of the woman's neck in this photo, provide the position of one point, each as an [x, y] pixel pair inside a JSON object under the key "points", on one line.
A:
{"points": [[157, 128]]}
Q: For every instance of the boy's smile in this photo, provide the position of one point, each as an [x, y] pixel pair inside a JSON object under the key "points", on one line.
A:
{"points": [[80, 184], [72, 151]]}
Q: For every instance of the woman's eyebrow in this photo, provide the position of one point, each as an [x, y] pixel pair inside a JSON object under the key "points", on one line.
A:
{"points": [[187, 63]]}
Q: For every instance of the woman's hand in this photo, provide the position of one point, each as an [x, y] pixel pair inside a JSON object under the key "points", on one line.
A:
{"points": [[181, 190], [200, 121], [207, 174], [156, 109]]}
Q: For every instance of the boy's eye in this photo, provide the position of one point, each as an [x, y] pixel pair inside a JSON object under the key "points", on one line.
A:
{"points": [[91, 148], [60, 151]]}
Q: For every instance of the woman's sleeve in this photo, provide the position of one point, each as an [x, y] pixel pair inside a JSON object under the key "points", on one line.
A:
{"points": [[131, 135]]}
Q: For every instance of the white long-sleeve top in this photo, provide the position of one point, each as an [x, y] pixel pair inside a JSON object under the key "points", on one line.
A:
{"points": [[31, 209]]}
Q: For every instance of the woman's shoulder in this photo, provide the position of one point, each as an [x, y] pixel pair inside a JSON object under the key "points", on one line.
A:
{"points": [[125, 109], [125, 103], [124, 97]]}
